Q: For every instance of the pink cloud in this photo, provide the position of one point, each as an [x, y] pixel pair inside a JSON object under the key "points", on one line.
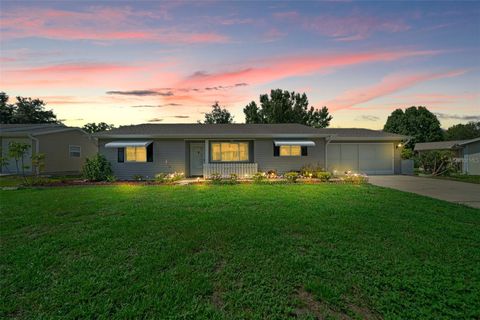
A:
{"points": [[100, 24], [275, 69], [387, 86]]}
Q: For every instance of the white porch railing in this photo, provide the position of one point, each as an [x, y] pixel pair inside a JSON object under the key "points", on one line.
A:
{"points": [[225, 169]]}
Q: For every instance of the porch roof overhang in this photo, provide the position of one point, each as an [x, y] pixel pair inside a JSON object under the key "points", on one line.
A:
{"points": [[123, 144], [303, 143]]}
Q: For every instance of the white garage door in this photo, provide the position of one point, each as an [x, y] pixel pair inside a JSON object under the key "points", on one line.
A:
{"points": [[369, 158]]}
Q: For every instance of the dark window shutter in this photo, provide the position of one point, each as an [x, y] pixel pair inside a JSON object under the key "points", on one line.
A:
{"points": [[276, 151], [304, 151], [150, 152], [121, 155]]}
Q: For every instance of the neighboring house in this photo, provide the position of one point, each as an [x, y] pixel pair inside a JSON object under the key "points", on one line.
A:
{"points": [[65, 148], [244, 149], [467, 152]]}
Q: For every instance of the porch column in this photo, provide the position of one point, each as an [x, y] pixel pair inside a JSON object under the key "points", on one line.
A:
{"points": [[206, 151]]}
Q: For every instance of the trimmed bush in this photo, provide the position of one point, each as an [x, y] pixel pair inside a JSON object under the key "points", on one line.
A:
{"points": [[292, 176], [164, 177], [97, 168], [259, 177], [323, 175], [355, 178]]}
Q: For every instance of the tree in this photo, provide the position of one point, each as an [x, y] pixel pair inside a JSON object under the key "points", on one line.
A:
{"points": [[92, 127], [218, 115], [17, 151], [6, 109], [417, 122], [460, 131], [25, 110], [286, 107], [438, 162]]}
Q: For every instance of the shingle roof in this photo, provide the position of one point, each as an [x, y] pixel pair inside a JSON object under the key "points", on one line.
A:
{"points": [[32, 129], [362, 133], [443, 145], [239, 130]]}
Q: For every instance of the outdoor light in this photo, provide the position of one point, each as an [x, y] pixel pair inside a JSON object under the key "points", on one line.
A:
{"points": [[399, 145]]}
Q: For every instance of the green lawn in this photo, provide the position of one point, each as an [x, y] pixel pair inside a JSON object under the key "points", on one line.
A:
{"points": [[236, 252]]}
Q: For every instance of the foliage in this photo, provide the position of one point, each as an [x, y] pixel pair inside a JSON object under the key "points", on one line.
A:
{"points": [[259, 177], [215, 177], [272, 174], [110, 178], [3, 159], [233, 178], [461, 177], [417, 122], [138, 177], [93, 127], [352, 247], [25, 110], [323, 175], [97, 168], [407, 153], [355, 178], [164, 177], [292, 176], [286, 107], [218, 115], [38, 162], [310, 170], [437, 162], [461, 131], [18, 151]]}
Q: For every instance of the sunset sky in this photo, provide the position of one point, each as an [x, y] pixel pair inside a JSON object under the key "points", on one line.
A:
{"points": [[167, 62]]}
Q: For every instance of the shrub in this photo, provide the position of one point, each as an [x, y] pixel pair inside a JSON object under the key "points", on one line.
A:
{"points": [[407, 154], [323, 175], [310, 170], [111, 178], [164, 177], [272, 174], [355, 178], [259, 177], [438, 162], [233, 178], [216, 177], [96, 168], [292, 176], [138, 177]]}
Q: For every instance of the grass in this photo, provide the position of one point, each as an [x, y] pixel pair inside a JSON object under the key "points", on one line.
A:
{"points": [[16, 181], [237, 252], [461, 177]]}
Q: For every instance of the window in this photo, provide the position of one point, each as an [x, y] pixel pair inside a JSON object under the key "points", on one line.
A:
{"points": [[136, 154], [290, 151], [75, 151], [230, 151]]}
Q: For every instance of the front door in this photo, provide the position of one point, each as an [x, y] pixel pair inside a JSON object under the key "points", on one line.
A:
{"points": [[197, 157]]}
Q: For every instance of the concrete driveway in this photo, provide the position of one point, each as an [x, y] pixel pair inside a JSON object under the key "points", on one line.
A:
{"points": [[453, 191]]}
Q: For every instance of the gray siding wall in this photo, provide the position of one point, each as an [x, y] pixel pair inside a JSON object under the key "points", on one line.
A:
{"points": [[263, 155], [55, 146], [168, 156]]}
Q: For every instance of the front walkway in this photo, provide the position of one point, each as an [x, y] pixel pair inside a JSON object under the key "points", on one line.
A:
{"points": [[453, 191]]}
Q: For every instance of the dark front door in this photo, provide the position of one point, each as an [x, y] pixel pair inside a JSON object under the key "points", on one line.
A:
{"points": [[197, 157]]}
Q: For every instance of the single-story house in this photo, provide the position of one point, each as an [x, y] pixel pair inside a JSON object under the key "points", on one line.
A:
{"points": [[467, 152], [65, 148], [202, 149]]}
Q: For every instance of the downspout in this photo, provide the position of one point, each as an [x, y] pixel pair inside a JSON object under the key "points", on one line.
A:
{"points": [[327, 141], [37, 149]]}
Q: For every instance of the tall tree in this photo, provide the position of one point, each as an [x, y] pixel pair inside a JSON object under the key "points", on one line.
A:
{"points": [[283, 106], [218, 115], [461, 131], [417, 122], [93, 127], [6, 109], [25, 110]]}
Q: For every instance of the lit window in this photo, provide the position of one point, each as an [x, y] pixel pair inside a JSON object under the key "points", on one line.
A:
{"points": [[230, 151], [75, 151], [290, 151], [136, 154]]}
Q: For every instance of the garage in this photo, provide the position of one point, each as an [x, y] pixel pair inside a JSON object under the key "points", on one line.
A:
{"points": [[369, 158]]}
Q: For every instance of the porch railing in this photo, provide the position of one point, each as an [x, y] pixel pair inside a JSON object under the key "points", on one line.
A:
{"points": [[225, 169]]}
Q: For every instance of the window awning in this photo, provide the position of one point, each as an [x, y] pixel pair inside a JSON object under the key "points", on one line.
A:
{"points": [[123, 144], [303, 143]]}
